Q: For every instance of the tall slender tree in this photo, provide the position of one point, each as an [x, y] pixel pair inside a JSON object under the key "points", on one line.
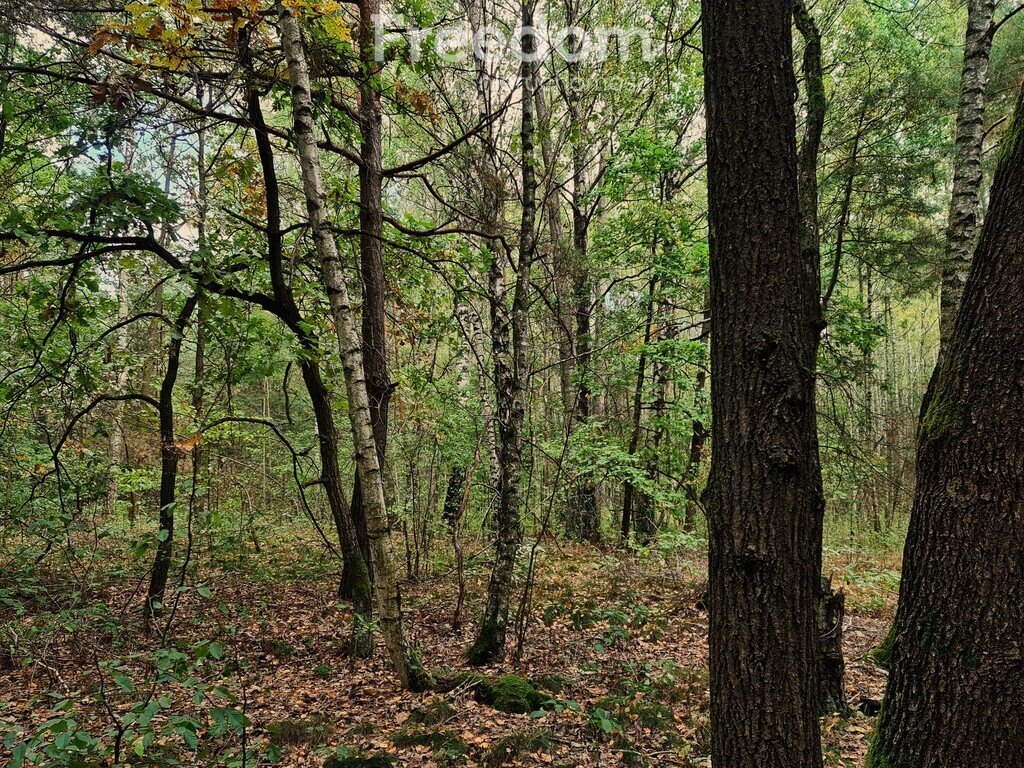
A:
{"points": [[508, 334], [967, 157], [386, 586], [764, 499]]}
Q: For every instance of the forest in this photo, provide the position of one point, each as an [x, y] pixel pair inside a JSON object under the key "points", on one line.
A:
{"points": [[511, 383]]}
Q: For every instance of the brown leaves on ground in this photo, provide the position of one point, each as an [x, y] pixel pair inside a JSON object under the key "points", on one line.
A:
{"points": [[616, 644]]}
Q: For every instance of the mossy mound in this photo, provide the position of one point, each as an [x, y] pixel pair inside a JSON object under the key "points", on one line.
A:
{"points": [[444, 742], [509, 693], [515, 745], [881, 654], [515, 694], [433, 712]]}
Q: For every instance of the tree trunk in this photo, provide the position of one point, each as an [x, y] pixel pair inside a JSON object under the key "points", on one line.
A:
{"points": [[169, 456], [831, 604], [355, 580], [371, 259], [967, 159], [508, 332], [763, 499], [698, 429], [586, 512], [957, 673], [629, 489], [386, 587], [832, 664]]}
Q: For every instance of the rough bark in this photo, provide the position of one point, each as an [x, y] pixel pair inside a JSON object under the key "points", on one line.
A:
{"points": [[386, 586], [831, 604], [508, 338], [957, 673], [371, 259], [967, 159], [763, 499], [169, 458]]}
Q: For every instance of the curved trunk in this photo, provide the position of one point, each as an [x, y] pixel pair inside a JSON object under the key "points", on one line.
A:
{"points": [[355, 579], [169, 457], [957, 671]]}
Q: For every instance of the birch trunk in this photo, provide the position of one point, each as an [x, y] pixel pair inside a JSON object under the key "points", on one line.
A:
{"points": [[386, 586], [967, 157]]}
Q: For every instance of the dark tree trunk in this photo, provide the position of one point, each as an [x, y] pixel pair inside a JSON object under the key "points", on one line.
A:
{"points": [[371, 265], [831, 612], [169, 457], [508, 332], [585, 515], [629, 490], [831, 605], [355, 579], [957, 674], [764, 499], [698, 430]]}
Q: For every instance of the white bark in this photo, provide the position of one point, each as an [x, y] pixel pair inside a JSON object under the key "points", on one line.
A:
{"points": [[386, 587], [970, 133]]}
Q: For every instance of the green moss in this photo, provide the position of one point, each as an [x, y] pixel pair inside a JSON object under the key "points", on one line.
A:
{"points": [[881, 654], [434, 712], [516, 695], [943, 417], [510, 693], [878, 758], [515, 745]]}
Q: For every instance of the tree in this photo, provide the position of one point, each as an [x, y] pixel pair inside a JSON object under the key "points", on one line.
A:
{"points": [[386, 588], [763, 498], [957, 653], [967, 159], [509, 341]]}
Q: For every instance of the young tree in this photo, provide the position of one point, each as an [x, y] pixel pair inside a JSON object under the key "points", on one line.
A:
{"points": [[967, 157], [958, 657], [386, 588], [508, 335], [764, 500]]}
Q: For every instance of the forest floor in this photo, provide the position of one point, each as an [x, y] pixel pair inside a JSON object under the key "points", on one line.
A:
{"points": [[616, 649]]}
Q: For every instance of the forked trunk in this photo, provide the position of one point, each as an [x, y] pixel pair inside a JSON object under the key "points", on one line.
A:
{"points": [[386, 586]]}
